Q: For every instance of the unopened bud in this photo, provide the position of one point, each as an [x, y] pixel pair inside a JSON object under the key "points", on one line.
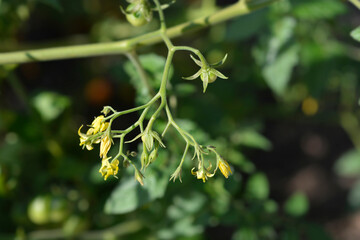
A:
{"points": [[139, 177]]}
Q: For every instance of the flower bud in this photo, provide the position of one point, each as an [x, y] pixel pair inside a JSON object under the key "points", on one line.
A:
{"points": [[138, 13], [144, 158], [148, 140], [139, 177], [153, 155], [106, 110], [224, 167]]}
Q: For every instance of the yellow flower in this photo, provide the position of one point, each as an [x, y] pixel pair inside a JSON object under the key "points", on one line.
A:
{"points": [[202, 173], [83, 139], [224, 168], [97, 124], [104, 126], [108, 169], [105, 146]]}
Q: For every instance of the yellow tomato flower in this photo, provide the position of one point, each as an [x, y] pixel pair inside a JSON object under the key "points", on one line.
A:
{"points": [[104, 126], [202, 173], [97, 123], [105, 146], [108, 169], [83, 139], [224, 168]]}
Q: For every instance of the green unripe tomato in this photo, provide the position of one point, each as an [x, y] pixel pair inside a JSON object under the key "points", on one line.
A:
{"points": [[39, 210], [136, 19], [46, 209], [212, 77]]}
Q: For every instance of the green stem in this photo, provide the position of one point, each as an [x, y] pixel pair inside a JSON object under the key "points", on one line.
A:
{"points": [[194, 50], [356, 3], [162, 90], [124, 46], [161, 16], [118, 114]]}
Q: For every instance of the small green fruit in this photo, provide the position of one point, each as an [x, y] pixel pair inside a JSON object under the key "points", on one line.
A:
{"points": [[212, 77]]}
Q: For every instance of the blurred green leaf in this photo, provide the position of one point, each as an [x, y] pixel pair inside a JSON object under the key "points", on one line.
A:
{"points": [[251, 138], [246, 26], [290, 234], [184, 89], [245, 233], [193, 129], [130, 195], [153, 65], [186, 204], [318, 9], [257, 187], [277, 74], [50, 104], [278, 55], [297, 205], [348, 164], [355, 34], [270, 206], [55, 4]]}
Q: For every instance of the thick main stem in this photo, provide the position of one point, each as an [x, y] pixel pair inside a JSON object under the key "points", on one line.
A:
{"points": [[124, 46]]}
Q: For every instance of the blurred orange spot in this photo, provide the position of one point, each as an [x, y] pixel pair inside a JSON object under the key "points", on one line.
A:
{"points": [[310, 106], [98, 91], [31, 70]]}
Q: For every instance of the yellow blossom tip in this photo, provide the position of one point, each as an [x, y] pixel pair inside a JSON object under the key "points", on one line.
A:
{"points": [[225, 168]]}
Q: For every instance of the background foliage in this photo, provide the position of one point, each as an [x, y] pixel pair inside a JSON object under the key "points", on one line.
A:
{"points": [[287, 120]]}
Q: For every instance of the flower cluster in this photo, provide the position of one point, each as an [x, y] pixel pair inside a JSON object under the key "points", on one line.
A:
{"points": [[205, 173], [99, 132], [140, 12]]}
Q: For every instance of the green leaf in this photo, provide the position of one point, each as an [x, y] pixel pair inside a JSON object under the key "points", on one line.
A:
{"points": [[251, 138], [270, 206], [245, 233], [355, 34], [278, 55], [154, 66], [257, 187], [184, 89], [277, 74], [297, 205], [50, 105], [319, 9], [55, 4], [246, 26], [130, 195], [348, 164]]}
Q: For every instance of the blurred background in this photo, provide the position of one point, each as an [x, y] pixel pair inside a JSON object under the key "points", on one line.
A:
{"points": [[287, 120]]}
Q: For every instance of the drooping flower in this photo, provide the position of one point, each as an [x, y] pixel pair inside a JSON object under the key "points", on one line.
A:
{"points": [[207, 72], [84, 139], [105, 145], [202, 172], [108, 169], [97, 124], [224, 167]]}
